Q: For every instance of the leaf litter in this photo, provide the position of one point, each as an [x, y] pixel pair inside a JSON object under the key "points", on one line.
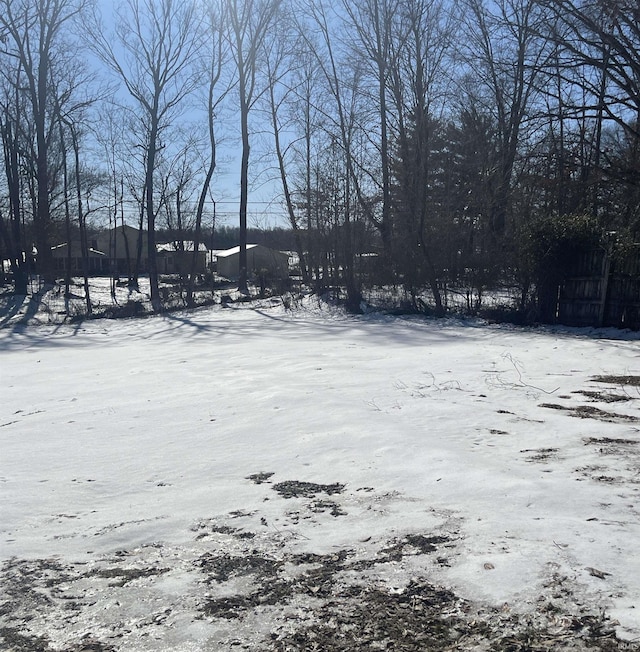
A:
{"points": [[342, 601]]}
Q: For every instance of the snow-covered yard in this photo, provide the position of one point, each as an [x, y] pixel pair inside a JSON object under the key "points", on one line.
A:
{"points": [[253, 478]]}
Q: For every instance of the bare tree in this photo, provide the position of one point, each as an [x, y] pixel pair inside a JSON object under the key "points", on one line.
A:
{"points": [[110, 137], [304, 113], [604, 36], [157, 45], [377, 40], [344, 91], [506, 55], [599, 63], [250, 22], [217, 38], [82, 217], [417, 91], [282, 68], [33, 40], [12, 232]]}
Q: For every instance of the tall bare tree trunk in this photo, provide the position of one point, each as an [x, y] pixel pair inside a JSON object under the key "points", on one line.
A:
{"points": [[159, 42], [84, 247], [250, 23]]}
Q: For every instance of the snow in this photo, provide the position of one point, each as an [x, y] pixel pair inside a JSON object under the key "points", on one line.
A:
{"points": [[224, 253], [126, 437]]}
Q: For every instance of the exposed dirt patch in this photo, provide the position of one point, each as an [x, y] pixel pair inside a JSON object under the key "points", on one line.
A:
{"points": [[611, 460], [540, 454], [604, 397], [278, 581], [322, 506], [125, 575], [379, 594], [612, 445], [608, 479], [260, 478], [619, 462], [12, 639], [221, 568], [411, 544], [296, 489], [368, 618], [335, 602], [90, 644], [317, 505], [590, 412], [633, 381], [23, 577], [237, 606], [273, 586], [424, 617], [207, 529]]}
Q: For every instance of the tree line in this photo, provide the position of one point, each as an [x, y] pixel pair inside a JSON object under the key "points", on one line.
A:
{"points": [[418, 143]]}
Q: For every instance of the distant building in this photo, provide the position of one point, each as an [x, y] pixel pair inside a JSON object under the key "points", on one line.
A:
{"points": [[97, 261], [261, 261], [175, 260], [121, 246], [115, 251]]}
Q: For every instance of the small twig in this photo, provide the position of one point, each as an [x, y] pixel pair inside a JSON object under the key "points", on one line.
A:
{"points": [[373, 405], [521, 383]]}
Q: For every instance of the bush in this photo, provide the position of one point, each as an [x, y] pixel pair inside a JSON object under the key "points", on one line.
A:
{"points": [[551, 242], [550, 246]]}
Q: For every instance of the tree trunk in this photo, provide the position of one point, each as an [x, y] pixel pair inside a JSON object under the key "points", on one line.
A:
{"points": [[293, 221], [156, 301], [42, 221], [14, 238], [244, 185], [67, 221], [84, 248]]}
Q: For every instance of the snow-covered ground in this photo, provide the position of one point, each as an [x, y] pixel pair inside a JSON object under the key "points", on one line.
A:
{"points": [[137, 457]]}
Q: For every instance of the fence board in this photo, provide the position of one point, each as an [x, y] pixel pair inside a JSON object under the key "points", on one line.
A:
{"points": [[601, 290]]}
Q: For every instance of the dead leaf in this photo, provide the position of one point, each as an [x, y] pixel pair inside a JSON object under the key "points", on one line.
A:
{"points": [[597, 573]]}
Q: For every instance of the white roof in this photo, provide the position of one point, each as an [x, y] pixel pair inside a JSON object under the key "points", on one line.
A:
{"points": [[223, 253], [62, 245], [188, 246]]}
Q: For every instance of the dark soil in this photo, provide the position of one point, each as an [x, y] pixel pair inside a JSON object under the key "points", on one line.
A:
{"points": [[12, 639], [295, 489], [221, 568], [590, 412], [633, 381], [260, 478], [540, 454], [605, 397], [359, 599], [611, 441], [369, 618], [125, 575]]}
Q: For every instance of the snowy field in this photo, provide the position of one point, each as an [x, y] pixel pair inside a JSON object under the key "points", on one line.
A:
{"points": [[259, 479]]}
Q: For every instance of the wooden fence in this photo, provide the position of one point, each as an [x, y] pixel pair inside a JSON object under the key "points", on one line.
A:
{"points": [[601, 289]]}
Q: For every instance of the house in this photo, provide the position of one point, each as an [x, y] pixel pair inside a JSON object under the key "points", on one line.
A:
{"points": [[121, 245], [261, 262], [176, 259], [97, 261]]}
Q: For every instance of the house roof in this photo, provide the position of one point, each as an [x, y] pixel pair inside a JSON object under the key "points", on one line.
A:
{"points": [[74, 245], [223, 253], [188, 246]]}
